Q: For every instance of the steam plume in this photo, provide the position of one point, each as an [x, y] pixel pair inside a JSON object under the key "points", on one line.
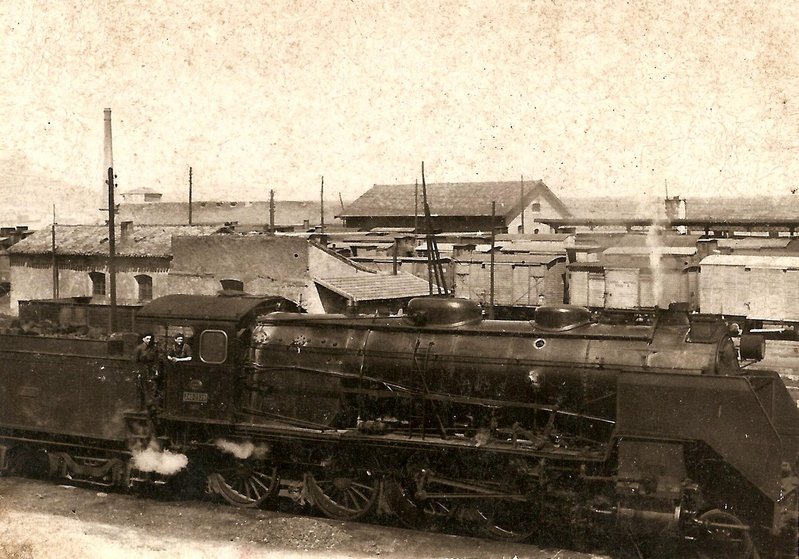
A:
{"points": [[160, 461], [244, 450], [655, 244]]}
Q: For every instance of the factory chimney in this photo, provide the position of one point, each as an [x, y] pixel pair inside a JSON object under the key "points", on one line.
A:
{"points": [[108, 159]]}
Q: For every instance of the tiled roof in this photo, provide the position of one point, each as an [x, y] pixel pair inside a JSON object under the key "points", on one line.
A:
{"points": [[92, 240], [450, 199], [375, 287], [287, 212]]}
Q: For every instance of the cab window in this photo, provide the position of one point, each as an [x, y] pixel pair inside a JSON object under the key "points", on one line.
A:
{"points": [[213, 346], [165, 333]]}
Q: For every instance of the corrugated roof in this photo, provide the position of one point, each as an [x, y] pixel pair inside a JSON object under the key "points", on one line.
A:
{"points": [[445, 199], [287, 213], [751, 261], [511, 258], [92, 240], [375, 287], [532, 246], [716, 208], [645, 250], [754, 243], [744, 207]]}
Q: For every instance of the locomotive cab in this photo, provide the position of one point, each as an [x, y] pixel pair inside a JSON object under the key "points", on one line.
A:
{"points": [[217, 329]]}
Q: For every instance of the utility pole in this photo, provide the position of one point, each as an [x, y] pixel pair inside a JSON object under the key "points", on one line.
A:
{"points": [[55, 260], [521, 204], [112, 266], [322, 208], [190, 185], [272, 212], [491, 269]]}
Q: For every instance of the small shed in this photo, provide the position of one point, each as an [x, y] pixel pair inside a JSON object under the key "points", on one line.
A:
{"points": [[382, 294]]}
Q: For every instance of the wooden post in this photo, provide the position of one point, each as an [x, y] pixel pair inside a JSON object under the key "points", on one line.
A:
{"points": [[272, 211], [491, 269], [322, 208], [112, 267], [190, 185], [55, 260], [521, 204]]}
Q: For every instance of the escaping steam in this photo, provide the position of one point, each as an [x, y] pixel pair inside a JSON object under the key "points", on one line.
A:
{"points": [[159, 461], [655, 244], [244, 450]]}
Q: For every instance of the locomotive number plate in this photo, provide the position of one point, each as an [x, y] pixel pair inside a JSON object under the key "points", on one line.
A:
{"points": [[195, 397]]}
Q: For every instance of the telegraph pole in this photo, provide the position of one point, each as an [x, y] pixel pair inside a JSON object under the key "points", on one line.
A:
{"points": [[272, 212], [55, 260], [521, 203], [190, 185], [112, 266], [491, 269], [322, 208]]}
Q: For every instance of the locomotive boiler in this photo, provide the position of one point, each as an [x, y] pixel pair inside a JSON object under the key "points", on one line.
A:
{"points": [[577, 425]]}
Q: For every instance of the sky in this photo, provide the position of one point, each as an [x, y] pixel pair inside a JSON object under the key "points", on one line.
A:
{"points": [[600, 98]]}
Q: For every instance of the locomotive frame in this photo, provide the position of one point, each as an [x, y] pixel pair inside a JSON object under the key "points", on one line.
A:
{"points": [[649, 428]]}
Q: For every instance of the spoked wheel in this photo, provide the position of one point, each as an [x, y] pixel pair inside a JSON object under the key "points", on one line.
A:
{"points": [[245, 483], [724, 536], [416, 513], [344, 495], [510, 521]]}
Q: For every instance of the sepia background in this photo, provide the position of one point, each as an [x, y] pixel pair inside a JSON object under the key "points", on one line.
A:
{"points": [[602, 97]]}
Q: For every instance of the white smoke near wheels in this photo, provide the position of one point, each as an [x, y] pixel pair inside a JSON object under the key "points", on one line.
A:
{"points": [[163, 462], [244, 450], [655, 244]]}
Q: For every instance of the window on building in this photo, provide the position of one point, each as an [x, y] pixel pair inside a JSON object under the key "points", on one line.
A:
{"points": [[232, 284], [145, 287], [535, 207], [98, 283]]}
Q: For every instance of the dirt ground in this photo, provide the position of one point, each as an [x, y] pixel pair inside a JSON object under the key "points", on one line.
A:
{"points": [[43, 519]]}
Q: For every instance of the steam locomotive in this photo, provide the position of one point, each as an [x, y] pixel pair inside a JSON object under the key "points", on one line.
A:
{"points": [[644, 425]]}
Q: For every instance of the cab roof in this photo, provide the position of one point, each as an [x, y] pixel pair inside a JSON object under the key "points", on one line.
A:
{"points": [[213, 307]]}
